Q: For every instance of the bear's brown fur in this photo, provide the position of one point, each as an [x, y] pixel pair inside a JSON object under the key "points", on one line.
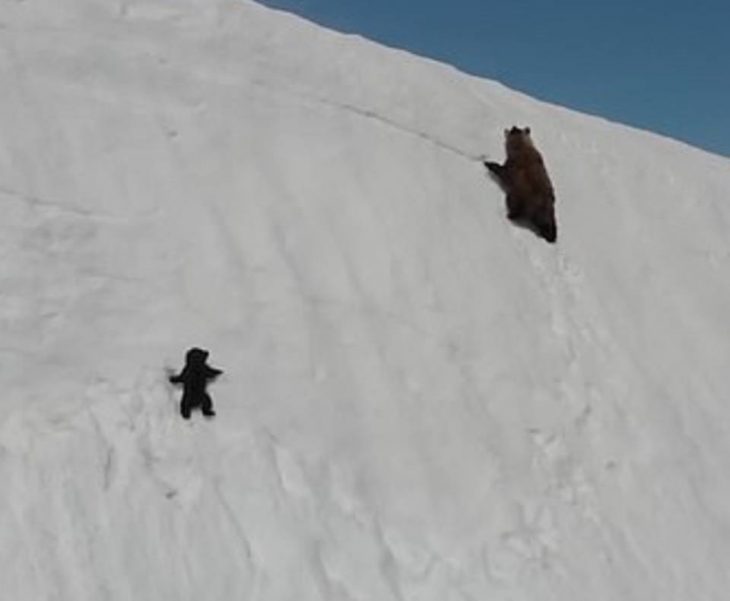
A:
{"points": [[524, 179]]}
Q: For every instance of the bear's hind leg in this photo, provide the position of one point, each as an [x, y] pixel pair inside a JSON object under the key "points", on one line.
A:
{"points": [[545, 224], [184, 409], [515, 207], [207, 406]]}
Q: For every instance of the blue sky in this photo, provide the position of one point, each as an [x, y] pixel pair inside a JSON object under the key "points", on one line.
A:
{"points": [[658, 65]]}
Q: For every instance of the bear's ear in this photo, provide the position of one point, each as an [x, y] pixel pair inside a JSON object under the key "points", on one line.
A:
{"points": [[527, 131]]}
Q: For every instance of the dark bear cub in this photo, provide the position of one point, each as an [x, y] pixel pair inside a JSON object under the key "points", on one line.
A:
{"points": [[524, 179], [195, 377]]}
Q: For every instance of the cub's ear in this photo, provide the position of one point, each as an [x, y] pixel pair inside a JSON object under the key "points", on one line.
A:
{"points": [[527, 131]]}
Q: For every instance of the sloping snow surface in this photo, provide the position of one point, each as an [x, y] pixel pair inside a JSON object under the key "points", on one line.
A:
{"points": [[420, 400]]}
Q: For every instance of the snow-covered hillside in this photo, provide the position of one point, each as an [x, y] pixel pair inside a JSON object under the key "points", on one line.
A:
{"points": [[421, 402]]}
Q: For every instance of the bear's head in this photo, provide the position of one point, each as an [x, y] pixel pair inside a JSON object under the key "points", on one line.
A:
{"points": [[196, 356], [516, 140]]}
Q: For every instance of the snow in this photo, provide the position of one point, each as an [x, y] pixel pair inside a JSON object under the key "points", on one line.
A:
{"points": [[420, 401]]}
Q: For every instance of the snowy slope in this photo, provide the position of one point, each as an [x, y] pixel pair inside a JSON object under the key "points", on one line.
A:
{"points": [[421, 402]]}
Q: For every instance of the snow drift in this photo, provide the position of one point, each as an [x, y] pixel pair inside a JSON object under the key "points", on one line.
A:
{"points": [[420, 401]]}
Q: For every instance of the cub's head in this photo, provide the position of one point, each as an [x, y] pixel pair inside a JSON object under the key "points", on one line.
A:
{"points": [[196, 356], [516, 140]]}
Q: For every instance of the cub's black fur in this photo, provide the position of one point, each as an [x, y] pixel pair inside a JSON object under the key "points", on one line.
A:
{"points": [[195, 377]]}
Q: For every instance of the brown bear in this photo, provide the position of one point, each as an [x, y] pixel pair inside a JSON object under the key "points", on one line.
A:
{"points": [[530, 195]]}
